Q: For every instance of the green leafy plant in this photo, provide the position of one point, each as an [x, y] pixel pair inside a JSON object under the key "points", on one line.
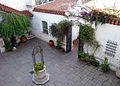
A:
{"points": [[38, 66], [81, 53], [13, 25], [8, 46], [91, 59], [87, 35], [95, 63], [58, 31], [105, 66]]}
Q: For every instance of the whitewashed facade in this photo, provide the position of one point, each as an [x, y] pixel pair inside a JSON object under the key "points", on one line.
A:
{"points": [[38, 27], [17, 4], [104, 33]]}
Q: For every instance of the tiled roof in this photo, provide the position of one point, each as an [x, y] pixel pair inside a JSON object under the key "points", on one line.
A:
{"points": [[27, 13], [56, 7], [9, 9]]}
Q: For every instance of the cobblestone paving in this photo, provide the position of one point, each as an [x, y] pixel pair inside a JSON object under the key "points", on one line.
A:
{"points": [[64, 69]]}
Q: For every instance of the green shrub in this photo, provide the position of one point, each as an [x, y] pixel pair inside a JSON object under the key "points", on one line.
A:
{"points": [[105, 66], [81, 53], [13, 26], [95, 63], [58, 31]]}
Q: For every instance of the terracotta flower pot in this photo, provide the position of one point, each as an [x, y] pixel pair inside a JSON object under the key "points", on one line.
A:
{"points": [[109, 21], [113, 21], [23, 39], [51, 43], [117, 22], [82, 59]]}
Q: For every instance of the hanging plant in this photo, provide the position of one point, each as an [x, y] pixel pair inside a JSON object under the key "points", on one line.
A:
{"points": [[58, 31]]}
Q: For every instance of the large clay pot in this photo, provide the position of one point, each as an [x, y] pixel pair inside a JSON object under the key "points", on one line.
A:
{"points": [[118, 72], [51, 43], [41, 77]]}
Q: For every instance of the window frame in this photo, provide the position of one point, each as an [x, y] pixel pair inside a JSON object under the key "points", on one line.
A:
{"points": [[45, 27]]}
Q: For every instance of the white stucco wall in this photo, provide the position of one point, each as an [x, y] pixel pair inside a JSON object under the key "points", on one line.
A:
{"points": [[109, 32], [50, 19], [18, 4], [104, 33]]}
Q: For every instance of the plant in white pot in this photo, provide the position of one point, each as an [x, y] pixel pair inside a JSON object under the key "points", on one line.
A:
{"points": [[40, 75]]}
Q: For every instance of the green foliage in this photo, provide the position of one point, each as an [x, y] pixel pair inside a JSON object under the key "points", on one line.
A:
{"points": [[58, 31], [14, 25], [92, 60], [87, 35], [105, 66], [8, 46], [95, 63], [98, 17], [81, 53], [38, 66], [50, 0]]}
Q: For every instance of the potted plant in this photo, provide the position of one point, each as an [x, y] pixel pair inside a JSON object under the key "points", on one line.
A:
{"points": [[38, 67], [105, 66], [82, 55], [87, 58], [51, 43], [95, 63]]}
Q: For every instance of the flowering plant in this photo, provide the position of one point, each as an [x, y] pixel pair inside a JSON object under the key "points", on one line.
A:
{"points": [[98, 15]]}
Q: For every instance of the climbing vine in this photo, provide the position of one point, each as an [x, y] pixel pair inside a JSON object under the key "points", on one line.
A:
{"points": [[87, 35], [58, 31]]}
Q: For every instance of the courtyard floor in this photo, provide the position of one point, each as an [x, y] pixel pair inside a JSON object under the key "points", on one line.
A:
{"points": [[65, 69]]}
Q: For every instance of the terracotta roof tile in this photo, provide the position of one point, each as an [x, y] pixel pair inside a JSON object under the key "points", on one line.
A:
{"points": [[56, 7], [27, 13], [9, 9]]}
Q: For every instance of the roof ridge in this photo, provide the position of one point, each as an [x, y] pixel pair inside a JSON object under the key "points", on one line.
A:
{"points": [[12, 10]]}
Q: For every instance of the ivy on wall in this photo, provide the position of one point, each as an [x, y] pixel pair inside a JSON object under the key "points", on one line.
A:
{"points": [[87, 35]]}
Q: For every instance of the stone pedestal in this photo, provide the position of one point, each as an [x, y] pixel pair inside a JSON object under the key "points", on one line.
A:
{"points": [[41, 77]]}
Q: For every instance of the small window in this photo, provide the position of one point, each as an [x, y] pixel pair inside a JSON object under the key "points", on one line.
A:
{"points": [[38, 2], [50, 0], [45, 27]]}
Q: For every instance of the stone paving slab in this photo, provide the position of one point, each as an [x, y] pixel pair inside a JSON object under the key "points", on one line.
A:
{"points": [[65, 69]]}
